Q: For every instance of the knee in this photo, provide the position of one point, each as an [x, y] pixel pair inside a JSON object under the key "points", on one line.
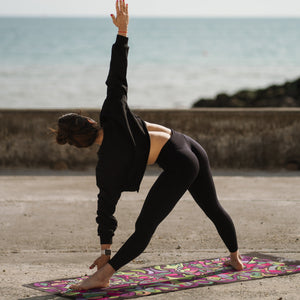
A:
{"points": [[217, 214]]}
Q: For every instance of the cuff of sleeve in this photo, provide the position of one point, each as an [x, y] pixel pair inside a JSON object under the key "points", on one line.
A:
{"points": [[122, 40], [105, 240]]}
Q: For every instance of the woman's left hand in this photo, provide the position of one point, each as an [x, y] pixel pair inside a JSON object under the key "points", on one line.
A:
{"points": [[100, 262]]}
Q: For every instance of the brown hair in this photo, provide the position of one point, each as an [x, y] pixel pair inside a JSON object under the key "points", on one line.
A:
{"points": [[76, 130]]}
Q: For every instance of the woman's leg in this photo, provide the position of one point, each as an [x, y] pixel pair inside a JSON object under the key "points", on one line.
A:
{"points": [[204, 193], [180, 167], [160, 201]]}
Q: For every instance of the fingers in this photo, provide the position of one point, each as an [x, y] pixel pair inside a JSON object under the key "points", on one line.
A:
{"points": [[125, 7], [121, 6], [113, 18], [92, 266], [117, 7]]}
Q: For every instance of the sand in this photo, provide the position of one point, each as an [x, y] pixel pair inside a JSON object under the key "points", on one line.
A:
{"points": [[48, 230]]}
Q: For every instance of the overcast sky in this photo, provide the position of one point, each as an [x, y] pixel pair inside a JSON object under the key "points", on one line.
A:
{"points": [[271, 8]]}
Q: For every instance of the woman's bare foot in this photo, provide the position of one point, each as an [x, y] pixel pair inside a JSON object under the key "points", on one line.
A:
{"points": [[92, 282], [235, 261], [100, 279]]}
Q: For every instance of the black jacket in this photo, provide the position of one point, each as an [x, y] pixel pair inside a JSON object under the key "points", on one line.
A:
{"points": [[123, 155]]}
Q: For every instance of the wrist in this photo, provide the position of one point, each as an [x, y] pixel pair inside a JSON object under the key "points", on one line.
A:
{"points": [[123, 31], [105, 246], [106, 252]]}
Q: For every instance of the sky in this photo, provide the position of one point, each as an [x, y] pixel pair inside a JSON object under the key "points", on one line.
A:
{"points": [[171, 8]]}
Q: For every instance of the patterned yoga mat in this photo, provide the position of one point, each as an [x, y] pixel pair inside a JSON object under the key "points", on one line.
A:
{"points": [[169, 278]]}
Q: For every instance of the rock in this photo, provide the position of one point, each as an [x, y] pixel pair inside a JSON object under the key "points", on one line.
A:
{"points": [[285, 95], [289, 102], [222, 100]]}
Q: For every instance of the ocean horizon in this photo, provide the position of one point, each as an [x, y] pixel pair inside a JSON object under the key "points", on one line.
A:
{"points": [[62, 62]]}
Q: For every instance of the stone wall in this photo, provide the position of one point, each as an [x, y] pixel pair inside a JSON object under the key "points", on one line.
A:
{"points": [[233, 138]]}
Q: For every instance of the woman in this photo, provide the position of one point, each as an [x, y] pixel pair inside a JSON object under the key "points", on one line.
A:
{"points": [[128, 144]]}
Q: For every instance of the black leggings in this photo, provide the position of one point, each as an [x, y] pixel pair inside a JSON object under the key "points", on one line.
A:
{"points": [[185, 167]]}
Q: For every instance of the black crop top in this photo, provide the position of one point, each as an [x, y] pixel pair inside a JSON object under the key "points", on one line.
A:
{"points": [[123, 155]]}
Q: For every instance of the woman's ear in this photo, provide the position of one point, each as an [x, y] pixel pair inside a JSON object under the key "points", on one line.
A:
{"points": [[91, 121]]}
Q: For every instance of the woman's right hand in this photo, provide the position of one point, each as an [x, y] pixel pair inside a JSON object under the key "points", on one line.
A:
{"points": [[100, 262], [122, 18]]}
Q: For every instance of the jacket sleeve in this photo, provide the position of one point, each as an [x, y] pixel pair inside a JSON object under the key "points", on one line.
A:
{"points": [[107, 223], [116, 80]]}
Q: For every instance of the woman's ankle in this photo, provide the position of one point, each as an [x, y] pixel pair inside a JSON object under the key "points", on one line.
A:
{"points": [[106, 272], [235, 255]]}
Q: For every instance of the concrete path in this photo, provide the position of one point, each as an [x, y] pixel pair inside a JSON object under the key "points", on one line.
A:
{"points": [[48, 230]]}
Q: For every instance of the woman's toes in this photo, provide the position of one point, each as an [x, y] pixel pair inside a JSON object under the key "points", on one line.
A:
{"points": [[227, 262], [236, 264], [75, 287]]}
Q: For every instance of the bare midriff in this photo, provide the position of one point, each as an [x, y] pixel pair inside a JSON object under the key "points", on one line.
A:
{"points": [[159, 135]]}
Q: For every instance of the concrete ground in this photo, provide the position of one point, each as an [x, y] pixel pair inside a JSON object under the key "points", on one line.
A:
{"points": [[48, 230]]}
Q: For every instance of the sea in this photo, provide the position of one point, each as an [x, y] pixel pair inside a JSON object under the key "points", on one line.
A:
{"points": [[51, 62]]}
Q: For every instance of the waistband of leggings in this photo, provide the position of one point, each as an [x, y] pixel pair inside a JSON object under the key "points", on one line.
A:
{"points": [[165, 149]]}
